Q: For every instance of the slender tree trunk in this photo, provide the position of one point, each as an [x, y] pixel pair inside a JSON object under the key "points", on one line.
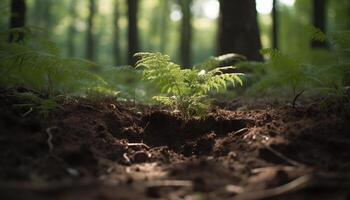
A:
{"points": [[133, 40], [154, 25], [164, 25], [239, 32], [186, 33], [37, 13], [90, 40], [42, 16], [17, 19], [116, 34], [319, 21], [72, 30], [47, 18], [275, 25]]}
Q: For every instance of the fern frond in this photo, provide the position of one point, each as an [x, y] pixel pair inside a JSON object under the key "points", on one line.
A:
{"points": [[37, 65], [317, 34], [185, 88]]}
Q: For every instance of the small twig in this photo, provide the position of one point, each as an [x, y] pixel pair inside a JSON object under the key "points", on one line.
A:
{"points": [[280, 155], [170, 183], [127, 159], [50, 137], [295, 185], [138, 144], [28, 112], [240, 131], [284, 168], [296, 98], [235, 189], [146, 126]]}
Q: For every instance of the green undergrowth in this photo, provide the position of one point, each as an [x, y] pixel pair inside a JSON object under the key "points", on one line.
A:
{"points": [[285, 75], [185, 90], [35, 63]]}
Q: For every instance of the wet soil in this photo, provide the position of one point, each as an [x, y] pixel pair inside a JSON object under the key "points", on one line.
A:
{"points": [[110, 150]]}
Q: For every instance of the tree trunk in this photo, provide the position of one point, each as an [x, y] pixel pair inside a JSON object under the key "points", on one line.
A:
{"points": [[275, 25], [153, 29], [116, 34], [42, 15], [133, 40], [239, 32], [72, 30], [164, 25], [17, 19], [47, 16], [90, 40], [186, 33], [319, 21]]}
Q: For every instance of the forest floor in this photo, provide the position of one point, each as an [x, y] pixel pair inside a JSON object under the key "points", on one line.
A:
{"points": [[111, 150]]}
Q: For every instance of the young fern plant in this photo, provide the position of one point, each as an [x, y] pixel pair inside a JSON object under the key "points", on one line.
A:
{"points": [[185, 89], [283, 71]]}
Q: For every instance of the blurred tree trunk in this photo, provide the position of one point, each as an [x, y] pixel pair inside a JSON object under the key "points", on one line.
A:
{"points": [[153, 28], [186, 33], [238, 29], [42, 16], [37, 13], [116, 34], [90, 40], [47, 18], [133, 40], [319, 21], [71, 29], [165, 9], [275, 25], [17, 19]]}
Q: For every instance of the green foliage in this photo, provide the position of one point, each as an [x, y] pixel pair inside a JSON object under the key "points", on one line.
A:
{"points": [[283, 71], [330, 80], [128, 81], [317, 34], [185, 89], [36, 64]]}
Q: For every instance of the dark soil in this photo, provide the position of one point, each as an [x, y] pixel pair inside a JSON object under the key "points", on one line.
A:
{"points": [[111, 150]]}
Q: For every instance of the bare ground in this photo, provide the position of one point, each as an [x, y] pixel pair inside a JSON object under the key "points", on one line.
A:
{"points": [[110, 150]]}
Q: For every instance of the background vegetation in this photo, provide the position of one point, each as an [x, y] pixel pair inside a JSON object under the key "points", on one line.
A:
{"points": [[303, 40]]}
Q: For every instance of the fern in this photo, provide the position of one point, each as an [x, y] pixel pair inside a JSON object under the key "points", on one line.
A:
{"points": [[36, 64], [185, 89], [283, 70], [332, 80], [317, 34]]}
